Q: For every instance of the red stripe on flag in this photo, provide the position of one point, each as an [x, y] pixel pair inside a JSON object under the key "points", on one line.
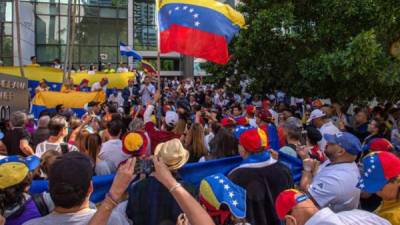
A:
{"points": [[195, 43]]}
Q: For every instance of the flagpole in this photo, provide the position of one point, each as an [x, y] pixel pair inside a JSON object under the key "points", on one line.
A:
{"points": [[158, 48]]}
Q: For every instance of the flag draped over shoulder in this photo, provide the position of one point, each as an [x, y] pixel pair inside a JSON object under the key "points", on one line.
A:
{"points": [[75, 100], [201, 28]]}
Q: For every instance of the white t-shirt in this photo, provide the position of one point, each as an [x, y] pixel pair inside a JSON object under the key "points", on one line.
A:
{"points": [[327, 128], [78, 218], [111, 151], [147, 92], [97, 87], [335, 186], [45, 146], [353, 217]]}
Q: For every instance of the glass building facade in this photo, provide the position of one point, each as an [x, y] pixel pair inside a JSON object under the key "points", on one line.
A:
{"points": [[6, 32]]}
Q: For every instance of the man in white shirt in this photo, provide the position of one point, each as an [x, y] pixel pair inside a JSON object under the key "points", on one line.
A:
{"points": [[58, 130], [147, 90], [111, 150], [335, 184], [294, 207], [324, 125], [101, 85]]}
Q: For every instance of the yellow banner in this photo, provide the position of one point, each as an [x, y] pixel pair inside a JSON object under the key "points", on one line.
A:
{"points": [[74, 99]]}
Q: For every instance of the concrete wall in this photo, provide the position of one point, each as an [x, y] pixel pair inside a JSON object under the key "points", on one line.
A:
{"points": [[27, 26]]}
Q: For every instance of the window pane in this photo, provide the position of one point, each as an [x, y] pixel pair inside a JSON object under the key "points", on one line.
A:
{"points": [[7, 29], [7, 61], [123, 13], [123, 28], [88, 55], [90, 11], [47, 53], [108, 13], [111, 53], [8, 13], [87, 32], [109, 32], [7, 46], [47, 30], [42, 8], [64, 9]]}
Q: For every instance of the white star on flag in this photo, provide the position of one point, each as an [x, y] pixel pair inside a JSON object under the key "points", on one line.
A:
{"points": [[373, 166], [216, 177], [226, 187], [196, 15], [366, 174], [191, 10], [221, 181], [177, 8], [197, 23], [169, 12], [235, 203], [231, 194], [362, 186], [185, 7], [369, 170]]}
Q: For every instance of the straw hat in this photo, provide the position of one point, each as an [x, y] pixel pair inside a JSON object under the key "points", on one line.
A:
{"points": [[172, 153]]}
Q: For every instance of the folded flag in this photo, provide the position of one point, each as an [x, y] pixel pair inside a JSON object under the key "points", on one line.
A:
{"points": [[148, 68], [128, 51], [201, 28]]}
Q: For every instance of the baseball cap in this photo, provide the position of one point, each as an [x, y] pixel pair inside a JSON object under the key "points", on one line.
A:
{"points": [[264, 115], [14, 169], [287, 200], [227, 121], [345, 140], [70, 172], [171, 118], [217, 190], [134, 143], [254, 140], [380, 144], [242, 121], [250, 109], [315, 114], [379, 168]]}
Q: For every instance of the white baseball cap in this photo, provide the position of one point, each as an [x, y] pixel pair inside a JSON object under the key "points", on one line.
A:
{"points": [[171, 118], [315, 114]]}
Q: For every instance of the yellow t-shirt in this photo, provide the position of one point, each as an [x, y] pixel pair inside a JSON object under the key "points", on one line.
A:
{"points": [[33, 65], [389, 210]]}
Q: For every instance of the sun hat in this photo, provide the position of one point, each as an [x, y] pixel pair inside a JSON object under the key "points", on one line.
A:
{"points": [[173, 154], [287, 200], [14, 169], [378, 169], [134, 143], [254, 140], [345, 140], [217, 190]]}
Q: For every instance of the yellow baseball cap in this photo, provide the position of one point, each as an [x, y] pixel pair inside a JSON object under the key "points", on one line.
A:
{"points": [[14, 169]]}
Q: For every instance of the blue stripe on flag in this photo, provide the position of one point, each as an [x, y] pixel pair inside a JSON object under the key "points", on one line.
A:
{"points": [[128, 51]]}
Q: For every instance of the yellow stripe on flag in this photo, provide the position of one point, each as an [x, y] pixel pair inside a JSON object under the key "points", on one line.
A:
{"points": [[73, 99], [225, 9]]}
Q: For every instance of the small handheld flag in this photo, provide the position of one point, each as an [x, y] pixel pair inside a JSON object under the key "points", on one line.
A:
{"points": [[148, 68], [128, 51]]}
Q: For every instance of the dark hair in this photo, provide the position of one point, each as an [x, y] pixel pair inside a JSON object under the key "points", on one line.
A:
{"points": [[32, 57], [93, 144], [59, 107], [294, 134], [114, 127], [56, 124], [381, 126], [47, 160], [223, 144], [313, 135], [14, 195]]}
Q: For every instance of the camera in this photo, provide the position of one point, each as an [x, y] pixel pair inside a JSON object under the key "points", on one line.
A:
{"points": [[144, 166]]}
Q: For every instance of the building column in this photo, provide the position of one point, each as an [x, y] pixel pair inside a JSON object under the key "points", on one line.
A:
{"points": [[27, 26], [131, 32]]}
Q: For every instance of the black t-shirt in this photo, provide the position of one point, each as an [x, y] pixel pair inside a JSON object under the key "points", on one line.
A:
{"points": [[12, 140]]}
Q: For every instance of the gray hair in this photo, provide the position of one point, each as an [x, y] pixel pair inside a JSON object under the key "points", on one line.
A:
{"points": [[136, 124], [18, 119], [293, 124], [43, 121]]}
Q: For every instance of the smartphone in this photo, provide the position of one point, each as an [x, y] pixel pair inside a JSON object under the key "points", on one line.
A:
{"points": [[303, 138], [144, 166]]}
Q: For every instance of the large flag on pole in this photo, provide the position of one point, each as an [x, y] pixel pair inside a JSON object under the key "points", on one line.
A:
{"points": [[125, 50], [201, 28]]}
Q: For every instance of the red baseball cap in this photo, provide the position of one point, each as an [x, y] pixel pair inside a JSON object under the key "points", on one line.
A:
{"points": [[254, 140], [227, 121], [250, 109], [380, 144], [286, 200], [264, 115], [242, 121]]}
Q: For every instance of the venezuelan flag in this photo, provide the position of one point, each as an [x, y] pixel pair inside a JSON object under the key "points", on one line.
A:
{"points": [[148, 68], [201, 28], [74, 100]]}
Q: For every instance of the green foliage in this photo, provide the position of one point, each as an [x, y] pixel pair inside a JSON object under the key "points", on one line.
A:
{"points": [[323, 48]]}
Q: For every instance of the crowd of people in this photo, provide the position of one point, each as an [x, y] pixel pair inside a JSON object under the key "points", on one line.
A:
{"points": [[349, 154]]}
